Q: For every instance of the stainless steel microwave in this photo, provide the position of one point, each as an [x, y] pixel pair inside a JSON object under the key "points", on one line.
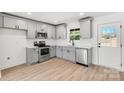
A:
{"points": [[42, 35]]}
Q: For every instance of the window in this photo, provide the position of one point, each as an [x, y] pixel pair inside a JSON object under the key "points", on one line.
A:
{"points": [[108, 36], [75, 34]]}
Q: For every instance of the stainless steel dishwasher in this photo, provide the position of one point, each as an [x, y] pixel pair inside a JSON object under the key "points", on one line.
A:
{"points": [[84, 56]]}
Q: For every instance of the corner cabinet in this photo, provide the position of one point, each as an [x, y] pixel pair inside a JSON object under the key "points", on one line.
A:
{"points": [[61, 31], [32, 30], [15, 23], [86, 28], [52, 51], [59, 51], [51, 31]]}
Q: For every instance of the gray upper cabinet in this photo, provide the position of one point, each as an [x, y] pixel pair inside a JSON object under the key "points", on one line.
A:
{"points": [[61, 31], [1, 21], [32, 28], [41, 27], [69, 53], [51, 31], [15, 23], [85, 29]]}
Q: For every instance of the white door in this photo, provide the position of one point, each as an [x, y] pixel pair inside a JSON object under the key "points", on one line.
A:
{"points": [[109, 45]]}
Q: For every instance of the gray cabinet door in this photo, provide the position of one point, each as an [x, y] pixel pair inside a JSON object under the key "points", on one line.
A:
{"points": [[41, 27], [10, 22], [1, 21], [15, 23], [32, 55], [52, 51], [85, 29], [69, 53], [35, 55], [61, 32], [22, 24], [32, 28], [51, 32], [59, 51]]}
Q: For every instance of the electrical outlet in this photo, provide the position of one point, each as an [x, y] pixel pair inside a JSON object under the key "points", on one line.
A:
{"points": [[8, 58]]}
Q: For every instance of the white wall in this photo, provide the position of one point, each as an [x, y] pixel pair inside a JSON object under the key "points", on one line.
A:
{"points": [[12, 44]]}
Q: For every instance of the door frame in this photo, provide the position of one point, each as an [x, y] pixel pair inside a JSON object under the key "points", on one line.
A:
{"points": [[121, 29]]}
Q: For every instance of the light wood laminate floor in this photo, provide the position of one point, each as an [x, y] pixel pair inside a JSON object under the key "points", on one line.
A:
{"points": [[60, 70]]}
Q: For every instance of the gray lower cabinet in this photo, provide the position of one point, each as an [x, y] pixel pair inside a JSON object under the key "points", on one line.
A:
{"points": [[69, 53], [84, 56], [31, 55], [32, 28], [52, 51], [59, 51]]}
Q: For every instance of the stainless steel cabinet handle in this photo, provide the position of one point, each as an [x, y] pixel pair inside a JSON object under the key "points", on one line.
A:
{"points": [[68, 51]]}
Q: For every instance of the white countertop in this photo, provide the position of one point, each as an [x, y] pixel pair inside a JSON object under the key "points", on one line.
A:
{"points": [[88, 47]]}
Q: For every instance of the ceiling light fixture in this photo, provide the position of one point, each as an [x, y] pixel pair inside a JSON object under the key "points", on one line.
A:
{"points": [[81, 14], [29, 13], [55, 21], [62, 17]]}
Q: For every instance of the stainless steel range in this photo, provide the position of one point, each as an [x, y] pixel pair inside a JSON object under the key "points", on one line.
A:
{"points": [[43, 51]]}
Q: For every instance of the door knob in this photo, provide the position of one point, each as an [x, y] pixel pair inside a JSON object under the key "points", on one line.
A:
{"points": [[99, 46]]}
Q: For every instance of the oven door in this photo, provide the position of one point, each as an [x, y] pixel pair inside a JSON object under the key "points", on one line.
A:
{"points": [[44, 54], [44, 51]]}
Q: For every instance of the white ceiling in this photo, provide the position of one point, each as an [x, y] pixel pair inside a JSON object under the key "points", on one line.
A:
{"points": [[58, 17]]}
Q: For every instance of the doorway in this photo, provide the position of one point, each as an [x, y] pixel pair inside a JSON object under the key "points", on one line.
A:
{"points": [[109, 45]]}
